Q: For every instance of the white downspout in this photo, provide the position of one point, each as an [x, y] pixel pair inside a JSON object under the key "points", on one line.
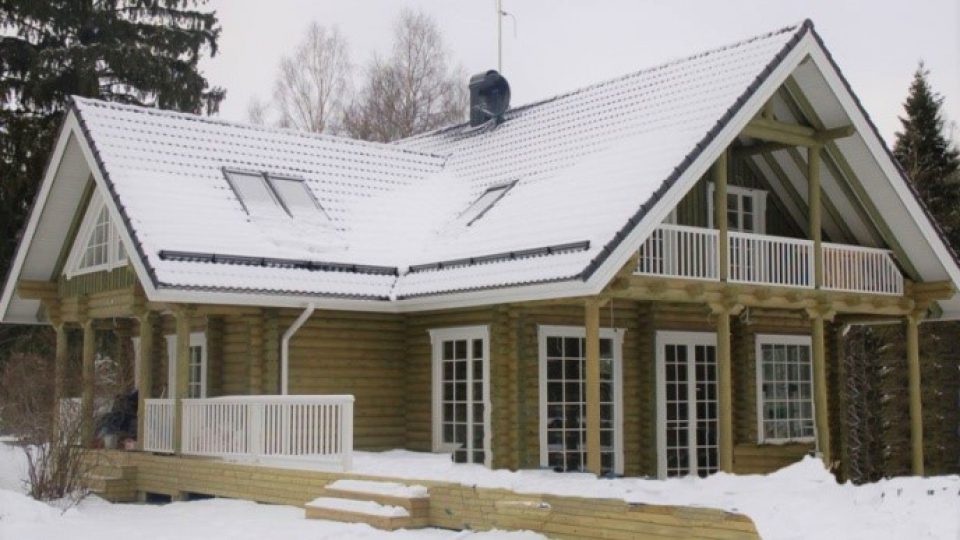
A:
{"points": [[285, 347]]}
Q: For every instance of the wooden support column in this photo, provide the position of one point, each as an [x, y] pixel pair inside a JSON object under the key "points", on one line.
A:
{"points": [[592, 356], [183, 316], [814, 156], [59, 372], [724, 390], [916, 411], [255, 365], [723, 311], [820, 386], [145, 372], [87, 376], [720, 169]]}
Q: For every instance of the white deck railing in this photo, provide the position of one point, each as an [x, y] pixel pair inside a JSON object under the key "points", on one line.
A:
{"points": [[693, 253], [860, 269], [770, 260], [158, 425], [315, 428], [681, 251]]}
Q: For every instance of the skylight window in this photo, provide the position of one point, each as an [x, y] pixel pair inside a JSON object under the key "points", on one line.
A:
{"points": [[296, 196], [484, 202], [268, 195]]}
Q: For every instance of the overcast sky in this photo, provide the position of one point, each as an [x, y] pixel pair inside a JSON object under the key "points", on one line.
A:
{"points": [[561, 45]]}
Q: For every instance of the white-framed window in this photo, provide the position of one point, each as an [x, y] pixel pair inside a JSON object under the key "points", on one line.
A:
{"points": [[746, 209], [270, 195], [196, 366], [98, 245], [784, 389], [563, 414], [688, 438], [461, 393]]}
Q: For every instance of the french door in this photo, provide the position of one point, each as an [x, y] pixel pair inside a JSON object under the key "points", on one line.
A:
{"points": [[687, 428], [563, 428], [461, 393]]}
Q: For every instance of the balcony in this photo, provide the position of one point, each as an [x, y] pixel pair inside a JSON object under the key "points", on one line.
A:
{"points": [[694, 253]]}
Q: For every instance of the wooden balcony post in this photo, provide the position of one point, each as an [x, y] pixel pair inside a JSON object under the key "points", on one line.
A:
{"points": [[87, 376], [916, 411], [814, 156], [144, 373], [592, 356], [720, 212], [822, 418], [183, 316]]}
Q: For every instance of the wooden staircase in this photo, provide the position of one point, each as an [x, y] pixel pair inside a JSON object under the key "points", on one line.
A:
{"points": [[115, 483], [384, 505]]}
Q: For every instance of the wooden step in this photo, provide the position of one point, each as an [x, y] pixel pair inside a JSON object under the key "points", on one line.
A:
{"points": [[414, 498], [372, 513]]}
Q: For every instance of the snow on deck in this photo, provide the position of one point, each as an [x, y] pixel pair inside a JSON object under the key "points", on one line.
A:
{"points": [[370, 508], [389, 489], [798, 502]]}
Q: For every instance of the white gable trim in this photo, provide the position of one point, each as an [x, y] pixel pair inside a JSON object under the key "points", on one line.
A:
{"points": [[53, 167]]}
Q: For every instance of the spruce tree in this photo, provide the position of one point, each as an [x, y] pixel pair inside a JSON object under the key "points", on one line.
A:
{"points": [[928, 156], [143, 52]]}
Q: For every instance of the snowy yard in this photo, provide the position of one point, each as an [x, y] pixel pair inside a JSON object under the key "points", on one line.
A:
{"points": [[799, 502]]}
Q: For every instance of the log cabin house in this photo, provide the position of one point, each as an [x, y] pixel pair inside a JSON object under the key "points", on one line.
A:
{"points": [[547, 287]]}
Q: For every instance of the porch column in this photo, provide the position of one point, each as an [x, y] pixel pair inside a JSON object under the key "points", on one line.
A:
{"points": [[144, 373], [592, 356], [814, 156], [724, 388], [88, 373], [820, 386], [720, 212], [183, 316], [59, 373], [916, 411]]}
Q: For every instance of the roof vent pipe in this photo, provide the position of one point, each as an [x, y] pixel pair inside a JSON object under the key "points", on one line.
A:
{"points": [[489, 97], [285, 348]]}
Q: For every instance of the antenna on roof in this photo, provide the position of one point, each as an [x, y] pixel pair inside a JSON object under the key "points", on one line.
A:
{"points": [[500, 15]]}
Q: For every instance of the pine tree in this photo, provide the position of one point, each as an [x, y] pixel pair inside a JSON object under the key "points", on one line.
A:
{"points": [[144, 52], [928, 156]]}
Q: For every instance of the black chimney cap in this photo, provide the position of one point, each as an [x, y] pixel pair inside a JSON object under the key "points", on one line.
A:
{"points": [[489, 97]]}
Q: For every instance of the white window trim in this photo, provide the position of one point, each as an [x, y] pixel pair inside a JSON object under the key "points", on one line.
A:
{"points": [[79, 247], [687, 338], [437, 337], [615, 334], [197, 339], [759, 205], [781, 339]]}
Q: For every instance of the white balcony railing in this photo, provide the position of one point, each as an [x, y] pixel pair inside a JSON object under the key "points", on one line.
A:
{"points": [[158, 425], [681, 251], [860, 269], [693, 253], [314, 428], [770, 260]]}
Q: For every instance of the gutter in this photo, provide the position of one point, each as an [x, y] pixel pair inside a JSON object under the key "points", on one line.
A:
{"points": [[285, 347]]}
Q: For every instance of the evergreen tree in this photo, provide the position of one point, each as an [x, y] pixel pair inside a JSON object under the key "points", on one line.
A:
{"points": [[928, 156], [143, 52]]}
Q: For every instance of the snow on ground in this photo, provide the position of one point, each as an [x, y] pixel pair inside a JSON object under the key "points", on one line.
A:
{"points": [[23, 518], [799, 502]]}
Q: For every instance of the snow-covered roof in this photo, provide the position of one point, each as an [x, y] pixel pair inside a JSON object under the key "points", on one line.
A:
{"points": [[609, 147], [592, 172]]}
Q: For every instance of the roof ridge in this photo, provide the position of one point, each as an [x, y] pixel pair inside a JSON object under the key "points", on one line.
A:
{"points": [[73, 100], [795, 28]]}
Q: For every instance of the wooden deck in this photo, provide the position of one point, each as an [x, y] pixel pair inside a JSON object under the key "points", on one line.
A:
{"points": [[451, 506]]}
